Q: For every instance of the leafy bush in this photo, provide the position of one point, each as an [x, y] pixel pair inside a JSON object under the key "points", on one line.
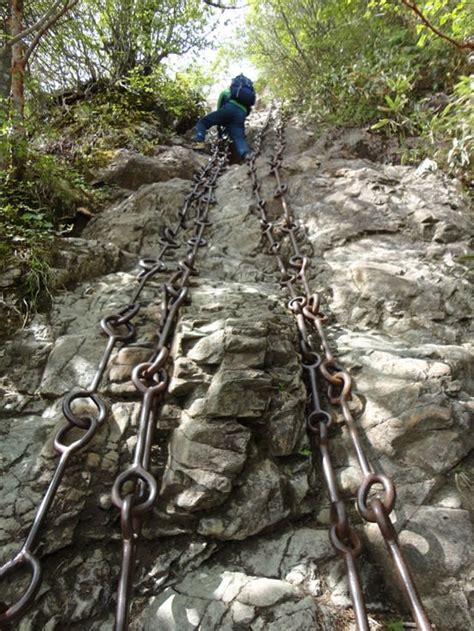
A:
{"points": [[353, 62], [27, 239], [49, 195], [68, 141], [136, 113], [442, 125], [451, 132], [31, 213]]}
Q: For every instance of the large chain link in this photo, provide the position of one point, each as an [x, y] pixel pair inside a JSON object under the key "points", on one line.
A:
{"points": [[119, 328], [305, 306], [150, 380]]}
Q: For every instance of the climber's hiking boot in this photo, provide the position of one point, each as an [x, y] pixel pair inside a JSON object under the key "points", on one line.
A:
{"points": [[198, 145]]}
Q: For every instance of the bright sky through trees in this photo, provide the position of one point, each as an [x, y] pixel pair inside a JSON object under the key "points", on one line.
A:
{"points": [[221, 57]]}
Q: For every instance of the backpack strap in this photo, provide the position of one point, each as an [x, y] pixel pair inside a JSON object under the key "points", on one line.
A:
{"points": [[224, 97]]}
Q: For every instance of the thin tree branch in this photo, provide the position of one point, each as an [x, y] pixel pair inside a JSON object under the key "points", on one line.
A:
{"points": [[69, 4], [219, 5], [294, 38], [33, 28], [415, 9]]}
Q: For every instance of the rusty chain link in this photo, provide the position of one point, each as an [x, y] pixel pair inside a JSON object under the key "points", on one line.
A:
{"points": [[150, 379], [88, 424], [305, 306]]}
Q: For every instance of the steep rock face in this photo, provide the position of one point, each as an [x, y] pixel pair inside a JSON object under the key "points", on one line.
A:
{"points": [[130, 170], [231, 454]]}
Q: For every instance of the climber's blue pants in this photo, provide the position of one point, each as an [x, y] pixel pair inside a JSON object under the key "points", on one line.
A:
{"points": [[230, 116]]}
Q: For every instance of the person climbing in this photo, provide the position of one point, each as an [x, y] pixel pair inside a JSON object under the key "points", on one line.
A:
{"points": [[233, 106]]}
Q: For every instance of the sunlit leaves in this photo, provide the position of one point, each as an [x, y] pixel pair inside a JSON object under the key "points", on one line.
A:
{"points": [[345, 59], [108, 39], [455, 18]]}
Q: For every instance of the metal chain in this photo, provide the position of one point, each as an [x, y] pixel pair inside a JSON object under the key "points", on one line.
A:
{"points": [[306, 308], [153, 265], [318, 422], [151, 379], [119, 329]]}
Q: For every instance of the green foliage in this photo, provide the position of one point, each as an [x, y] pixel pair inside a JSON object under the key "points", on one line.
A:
{"points": [[396, 104], [341, 61], [136, 113], [27, 237], [395, 625], [452, 17], [50, 192], [456, 123], [30, 214], [107, 40], [353, 62], [37, 279], [445, 132]]}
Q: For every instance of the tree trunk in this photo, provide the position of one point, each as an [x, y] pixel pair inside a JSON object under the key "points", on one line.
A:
{"points": [[5, 53], [17, 93], [5, 80], [5, 73]]}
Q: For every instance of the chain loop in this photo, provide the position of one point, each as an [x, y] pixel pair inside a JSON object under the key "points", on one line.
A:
{"points": [[22, 559], [146, 379], [158, 363], [110, 323], [135, 474], [353, 545], [151, 264], [317, 419], [311, 355], [296, 305], [63, 448], [342, 390], [75, 419], [363, 494]]}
